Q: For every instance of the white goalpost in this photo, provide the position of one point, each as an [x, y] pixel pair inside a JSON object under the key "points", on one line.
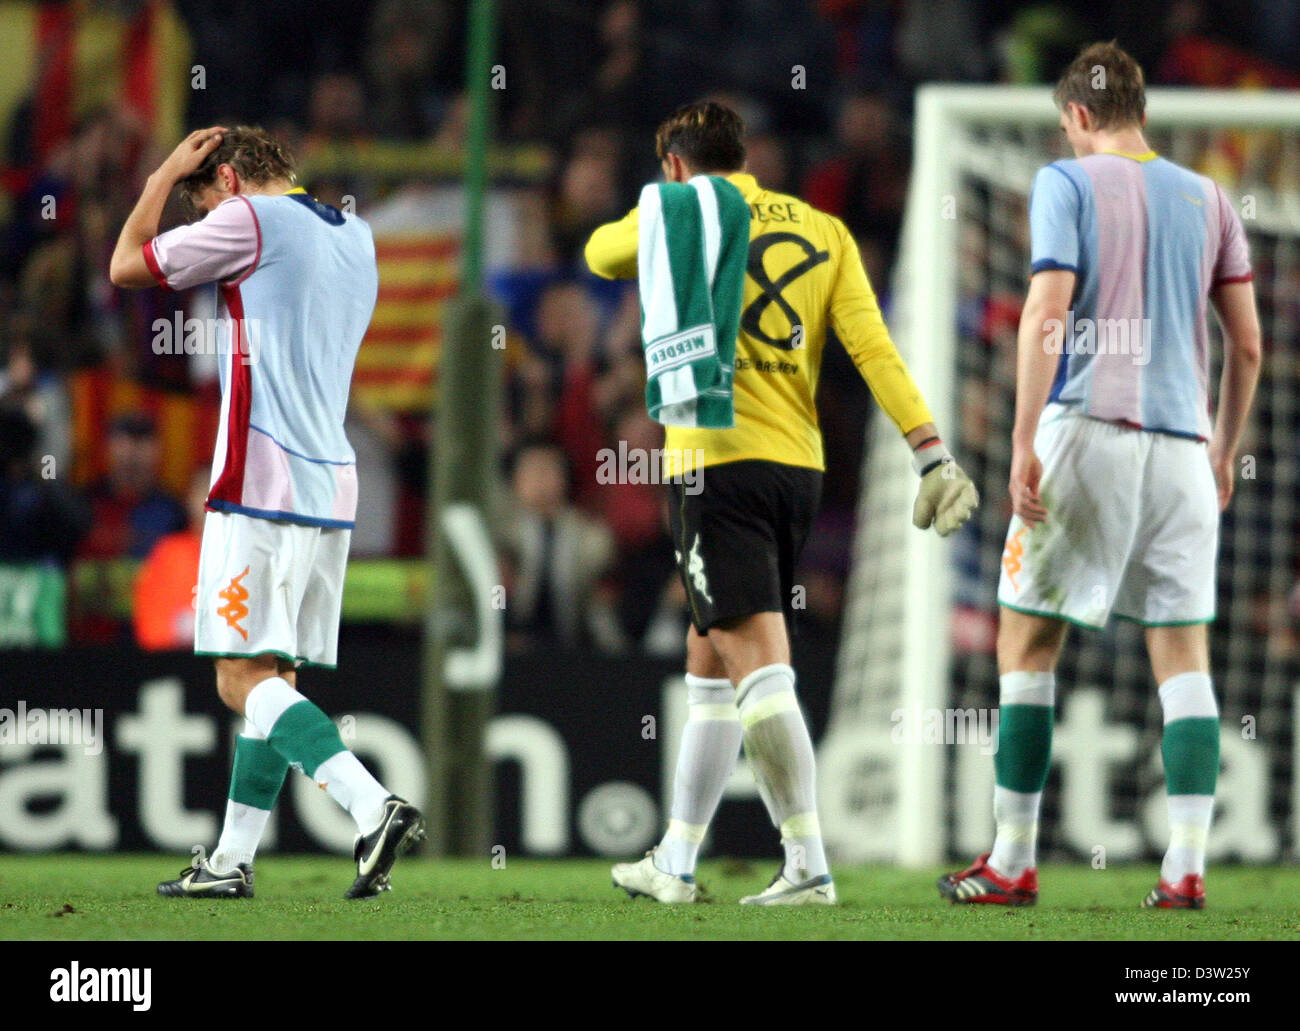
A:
{"points": [[906, 767]]}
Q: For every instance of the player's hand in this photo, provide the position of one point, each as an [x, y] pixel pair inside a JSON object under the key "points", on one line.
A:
{"points": [[192, 152], [1222, 465], [1026, 472], [947, 498]]}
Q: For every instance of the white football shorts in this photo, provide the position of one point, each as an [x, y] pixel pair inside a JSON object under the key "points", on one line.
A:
{"points": [[267, 586], [1132, 527]]}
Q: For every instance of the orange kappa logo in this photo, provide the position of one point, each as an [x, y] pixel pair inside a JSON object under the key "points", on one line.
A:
{"points": [[1011, 557], [234, 610]]}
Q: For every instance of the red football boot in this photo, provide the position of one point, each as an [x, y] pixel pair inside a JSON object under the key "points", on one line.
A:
{"points": [[1189, 893], [981, 883]]}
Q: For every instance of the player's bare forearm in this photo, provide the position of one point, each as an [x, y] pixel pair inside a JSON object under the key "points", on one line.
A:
{"points": [[1242, 357], [1035, 370], [1042, 320], [1236, 392], [127, 267], [1041, 324]]}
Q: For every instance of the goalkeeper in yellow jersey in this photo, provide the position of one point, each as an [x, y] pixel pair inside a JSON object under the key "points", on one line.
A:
{"points": [[743, 500]]}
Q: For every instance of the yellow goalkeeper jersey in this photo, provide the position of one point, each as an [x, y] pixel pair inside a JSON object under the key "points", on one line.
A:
{"points": [[804, 276]]}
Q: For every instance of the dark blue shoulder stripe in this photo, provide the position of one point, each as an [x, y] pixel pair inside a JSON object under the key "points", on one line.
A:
{"points": [[327, 212]]}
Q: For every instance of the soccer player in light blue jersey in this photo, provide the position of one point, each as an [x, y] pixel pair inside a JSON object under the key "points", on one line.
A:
{"points": [[1118, 471], [292, 285]]}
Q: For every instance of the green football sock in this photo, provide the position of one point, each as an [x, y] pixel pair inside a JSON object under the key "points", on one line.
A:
{"points": [[257, 773], [1190, 750], [305, 737], [1024, 753]]}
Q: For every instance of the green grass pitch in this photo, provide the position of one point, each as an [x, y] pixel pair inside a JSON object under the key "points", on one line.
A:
{"points": [[68, 897]]}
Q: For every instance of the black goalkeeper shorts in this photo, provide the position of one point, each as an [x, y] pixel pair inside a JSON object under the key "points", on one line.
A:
{"points": [[738, 529]]}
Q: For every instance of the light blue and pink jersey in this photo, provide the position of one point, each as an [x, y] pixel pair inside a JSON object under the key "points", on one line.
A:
{"points": [[1148, 240], [297, 284]]}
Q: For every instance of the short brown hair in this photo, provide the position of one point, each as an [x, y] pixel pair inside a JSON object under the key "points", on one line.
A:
{"points": [[710, 137], [1108, 82], [251, 151]]}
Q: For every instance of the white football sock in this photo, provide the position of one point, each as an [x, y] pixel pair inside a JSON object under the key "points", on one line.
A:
{"points": [[1189, 826], [1188, 696], [781, 753], [240, 833], [709, 749], [353, 787], [267, 702], [1016, 844]]}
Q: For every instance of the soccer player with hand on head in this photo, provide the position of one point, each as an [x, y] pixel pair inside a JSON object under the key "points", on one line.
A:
{"points": [[1118, 476], [292, 284], [739, 535]]}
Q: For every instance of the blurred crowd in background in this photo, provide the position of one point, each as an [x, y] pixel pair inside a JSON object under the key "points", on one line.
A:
{"points": [[104, 442]]}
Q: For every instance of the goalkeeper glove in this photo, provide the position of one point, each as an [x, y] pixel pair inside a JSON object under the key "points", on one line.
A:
{"points": [[947, 497]]}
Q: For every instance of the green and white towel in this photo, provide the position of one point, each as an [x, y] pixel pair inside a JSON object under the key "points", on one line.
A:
{"points": [[691, 251]]}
